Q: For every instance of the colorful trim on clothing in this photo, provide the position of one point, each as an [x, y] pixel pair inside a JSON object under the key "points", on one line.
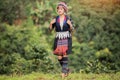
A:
{"points": [[62, 47], [63, 35]]}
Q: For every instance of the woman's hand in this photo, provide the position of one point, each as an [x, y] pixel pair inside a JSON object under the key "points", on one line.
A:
{"points": [[52, 22], [71, 26]]}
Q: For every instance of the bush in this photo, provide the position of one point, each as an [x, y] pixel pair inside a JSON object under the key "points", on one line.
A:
{"points": [[97, 32], [23, 50]]}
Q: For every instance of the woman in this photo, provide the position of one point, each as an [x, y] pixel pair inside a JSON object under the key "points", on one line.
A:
{"points": [[63, 40]]}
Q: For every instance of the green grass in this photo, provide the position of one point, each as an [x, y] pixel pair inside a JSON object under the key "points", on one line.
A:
{"points": [[73, 76]]}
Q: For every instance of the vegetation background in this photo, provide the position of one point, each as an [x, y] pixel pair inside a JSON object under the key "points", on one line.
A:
{"points": [[26, 44]]}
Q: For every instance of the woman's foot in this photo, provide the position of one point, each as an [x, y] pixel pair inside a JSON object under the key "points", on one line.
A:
{"points": [[66, 74], [63, 75]]}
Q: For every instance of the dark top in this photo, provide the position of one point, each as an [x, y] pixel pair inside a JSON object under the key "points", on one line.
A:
{"points": [[56, 25]]}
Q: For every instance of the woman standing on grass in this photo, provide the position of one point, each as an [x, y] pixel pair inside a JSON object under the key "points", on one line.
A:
{"points": [[63, 39]]}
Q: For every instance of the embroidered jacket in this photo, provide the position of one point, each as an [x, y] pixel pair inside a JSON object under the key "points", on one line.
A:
{"points": [[56, 25]]}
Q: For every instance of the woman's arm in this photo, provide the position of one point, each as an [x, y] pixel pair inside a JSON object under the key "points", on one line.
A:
{"points": [[70, 24], [51, 24]]}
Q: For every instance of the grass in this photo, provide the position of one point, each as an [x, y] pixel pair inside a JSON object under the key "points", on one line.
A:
{"points": [[73, 76]]}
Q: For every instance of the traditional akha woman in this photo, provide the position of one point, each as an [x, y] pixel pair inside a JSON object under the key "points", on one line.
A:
{"points": [[63, 39]]}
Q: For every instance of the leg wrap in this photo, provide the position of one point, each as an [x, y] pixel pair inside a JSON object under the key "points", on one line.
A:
{"points": [[65, 65], [60, 61]]}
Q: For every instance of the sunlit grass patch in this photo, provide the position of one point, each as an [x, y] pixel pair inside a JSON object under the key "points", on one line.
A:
{"points": [[73, 76]]}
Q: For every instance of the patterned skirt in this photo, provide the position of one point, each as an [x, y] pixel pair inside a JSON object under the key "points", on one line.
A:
{"points": [[62, 46]]}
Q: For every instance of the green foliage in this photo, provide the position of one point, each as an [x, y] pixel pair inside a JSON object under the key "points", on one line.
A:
{"points": [[23, 50], [11, 10], [27, 47], [41, 12], [98, 34]]}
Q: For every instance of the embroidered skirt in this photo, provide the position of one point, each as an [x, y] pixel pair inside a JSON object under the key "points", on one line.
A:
{"points": [[62, 46]]}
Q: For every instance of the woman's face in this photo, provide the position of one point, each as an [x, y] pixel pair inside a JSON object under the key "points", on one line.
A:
{"points": [[60, 10]]}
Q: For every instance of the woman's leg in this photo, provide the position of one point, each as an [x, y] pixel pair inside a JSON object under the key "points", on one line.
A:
{"points": [[65, 69], [63, 60], [60, 60]]}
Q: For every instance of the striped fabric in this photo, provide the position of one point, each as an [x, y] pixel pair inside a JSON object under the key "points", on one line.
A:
{"points": [[62, 47], [62, 42]]}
